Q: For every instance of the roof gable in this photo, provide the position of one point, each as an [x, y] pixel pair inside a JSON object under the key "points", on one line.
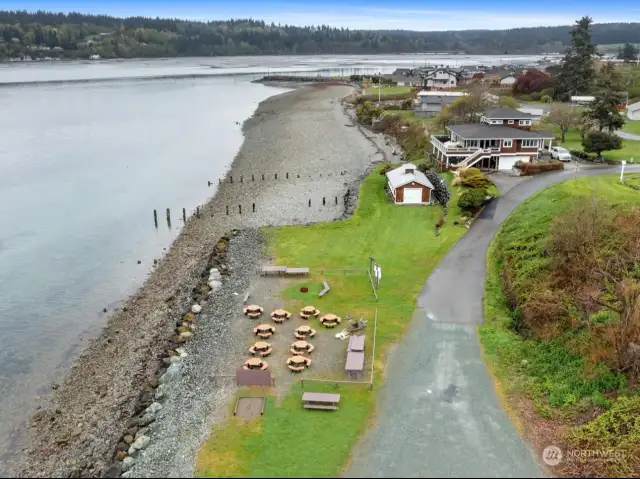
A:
{"points": [[399, 177], [506, 113]]}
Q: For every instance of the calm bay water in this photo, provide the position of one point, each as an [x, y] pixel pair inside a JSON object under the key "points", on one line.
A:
{"points": [[83, 166]]}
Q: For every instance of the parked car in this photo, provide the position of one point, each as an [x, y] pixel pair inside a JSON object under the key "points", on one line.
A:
{"points": [[559, 153]]}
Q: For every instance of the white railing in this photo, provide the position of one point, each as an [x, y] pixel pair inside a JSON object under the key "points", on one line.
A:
{"points": [[475, 157]]}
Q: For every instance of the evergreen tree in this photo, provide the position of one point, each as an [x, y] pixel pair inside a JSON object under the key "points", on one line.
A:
{"points": [[577, 73], [604, 109], [628, 52]]}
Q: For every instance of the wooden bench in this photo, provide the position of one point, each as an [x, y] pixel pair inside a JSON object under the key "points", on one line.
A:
{"points": [[296, 271], [325, 290], [273, 269], [321, 401]]}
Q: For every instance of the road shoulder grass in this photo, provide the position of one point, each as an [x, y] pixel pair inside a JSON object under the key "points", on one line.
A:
{"points": [[289, 441]]}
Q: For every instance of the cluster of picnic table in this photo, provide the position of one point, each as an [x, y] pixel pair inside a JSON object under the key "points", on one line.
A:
{"points": [[300, 349]]}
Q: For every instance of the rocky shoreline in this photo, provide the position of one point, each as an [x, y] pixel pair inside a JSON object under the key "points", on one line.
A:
{"points": [[297, 165]]}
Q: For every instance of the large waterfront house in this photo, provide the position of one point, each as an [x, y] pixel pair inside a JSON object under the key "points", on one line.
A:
{"points": [[501, 138], [430, 103]]}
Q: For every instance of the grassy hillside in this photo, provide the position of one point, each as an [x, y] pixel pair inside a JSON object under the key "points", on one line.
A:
{"points": [[552, 359]]}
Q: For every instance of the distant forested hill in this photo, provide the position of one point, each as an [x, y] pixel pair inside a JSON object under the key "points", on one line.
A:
{"points": [[74, 35]]}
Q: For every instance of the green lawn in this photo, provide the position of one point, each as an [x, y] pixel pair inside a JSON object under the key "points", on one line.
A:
{"points": [[387, 90], [402, 240], [552, 373], [409, 115], [632, 126], [630, 148]]}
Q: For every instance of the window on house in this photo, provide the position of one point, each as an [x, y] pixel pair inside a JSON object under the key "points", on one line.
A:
{"points": [[511, 122], [507, 143], [530, 143], [525, 122]]}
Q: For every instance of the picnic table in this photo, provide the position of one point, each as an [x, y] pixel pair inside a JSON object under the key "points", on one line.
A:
{"points": [[264, 330], [255, 363], [304, 331], [280, 315], [354, 364], [321, 401], [296, 271], [253, 311], [301, 347], [308, 311], [298, 363], [356, 344], [330, 320], [261, 347], [273, 269]]}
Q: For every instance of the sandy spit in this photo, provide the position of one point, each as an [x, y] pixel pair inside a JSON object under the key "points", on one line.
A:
{"points": [[303, 134]]}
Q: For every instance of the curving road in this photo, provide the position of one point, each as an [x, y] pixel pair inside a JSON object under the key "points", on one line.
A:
{"points": [[438, 415]]}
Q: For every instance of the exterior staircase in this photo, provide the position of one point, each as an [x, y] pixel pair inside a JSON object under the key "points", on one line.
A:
{"points": [[472, 159]]}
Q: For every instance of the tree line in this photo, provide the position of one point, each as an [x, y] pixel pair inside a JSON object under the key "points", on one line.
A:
{"points": [[77, 35]]}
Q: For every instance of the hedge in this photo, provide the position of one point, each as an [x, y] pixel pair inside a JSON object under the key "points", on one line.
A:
{"points": [[529, 169]]}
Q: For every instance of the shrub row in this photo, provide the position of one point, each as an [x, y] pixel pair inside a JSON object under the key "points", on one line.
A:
{"points": [[529, 169]]}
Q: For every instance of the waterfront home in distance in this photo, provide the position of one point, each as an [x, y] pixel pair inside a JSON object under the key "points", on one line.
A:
{"points": [[409, 186], [508, 80], [501, 138], [441, 79], [430, 103]]}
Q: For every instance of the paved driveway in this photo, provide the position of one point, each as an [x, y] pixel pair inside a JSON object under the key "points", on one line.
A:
{"points": [[438, 415]]}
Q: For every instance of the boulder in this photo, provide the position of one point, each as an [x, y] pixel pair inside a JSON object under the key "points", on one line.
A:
{"points": [[145, 420], [141, 442], [172, 373], [181, 352], [127, 463], [186, 334], [215, 284], [113, 470], [128, 439], [196, 308]]}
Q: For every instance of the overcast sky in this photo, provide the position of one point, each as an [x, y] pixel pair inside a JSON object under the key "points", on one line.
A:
{"points": [[360, 14]]}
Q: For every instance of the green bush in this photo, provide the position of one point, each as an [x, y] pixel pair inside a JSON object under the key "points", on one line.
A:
{"points": [[474, 178], [386, 169], [471, 200], [546, 99], [529, 169]]}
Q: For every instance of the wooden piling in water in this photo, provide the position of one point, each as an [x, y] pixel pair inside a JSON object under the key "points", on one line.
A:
{"points": [[276, 177], [309, 202], [227, 210], [254, 207], [253, 178], [155, 218], [168, 216], [336, 200], [240, 209], [287, 176], [262, 176], [324, 201], [198, 211], [184, 215], [241, 179], [230, 179]]}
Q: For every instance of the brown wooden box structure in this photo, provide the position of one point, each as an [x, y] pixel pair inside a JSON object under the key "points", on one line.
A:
{"points": [[253, 377], [321, 401]]}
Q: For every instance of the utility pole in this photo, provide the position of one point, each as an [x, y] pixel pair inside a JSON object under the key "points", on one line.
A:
{"points": [[379, 86]]}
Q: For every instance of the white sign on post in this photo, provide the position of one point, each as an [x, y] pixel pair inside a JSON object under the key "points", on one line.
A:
{"points": [[622, 171], [377, 272]]}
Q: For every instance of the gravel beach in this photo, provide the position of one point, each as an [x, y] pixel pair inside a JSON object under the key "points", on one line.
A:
{"points": [[300, 142]]}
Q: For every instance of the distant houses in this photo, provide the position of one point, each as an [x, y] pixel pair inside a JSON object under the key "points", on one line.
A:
{"points": [[430, 103]]}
